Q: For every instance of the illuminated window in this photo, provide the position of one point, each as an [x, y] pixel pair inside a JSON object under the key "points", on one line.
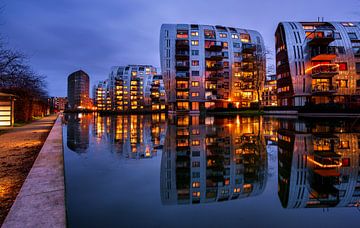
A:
{"points": [[196, 184], [345, 162], [194, 33], [209, 34], [342, 83], [195, 83], [195, 63], [235, 36], [342, 66], [195, 94], [223, 35], [195, 106], [245, 38], [195, 142], [227, 181], [348, 24], [196, 194], [182, 34], [195, 43], [237, 190], [344, 145], [195, 131], [183, 105], [225, 45]]}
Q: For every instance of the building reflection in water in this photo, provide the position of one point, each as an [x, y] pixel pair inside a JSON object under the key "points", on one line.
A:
{"points": [[130, 136], [318, 164], [78, 131], [212, 159]]}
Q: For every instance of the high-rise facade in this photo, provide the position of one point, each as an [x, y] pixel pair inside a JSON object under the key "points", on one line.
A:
{"points": [[318, 63], [129, 87], [207, 66], [78, 91]]}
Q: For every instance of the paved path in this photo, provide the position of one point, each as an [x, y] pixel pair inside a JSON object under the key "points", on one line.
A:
{"points": [[19, 148]]}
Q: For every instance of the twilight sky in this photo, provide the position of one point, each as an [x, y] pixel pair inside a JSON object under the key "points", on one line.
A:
{"points": [[63, 36]]}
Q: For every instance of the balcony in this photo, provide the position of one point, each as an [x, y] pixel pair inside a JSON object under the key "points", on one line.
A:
{"points": [[182, 87], [323, 89], [247, 68], [182, 75], [323, 53], [182, 55], [213, 77], [323, 70], [215, 67], [320, 38], [246, 79], [215, 56], [249, 58], [247, 87], [248, 48], [182, 66], [182, 44], [211, 97], [215, 46]]}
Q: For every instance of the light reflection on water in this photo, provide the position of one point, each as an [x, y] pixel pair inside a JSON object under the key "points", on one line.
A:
{"points": [[120, 168]]}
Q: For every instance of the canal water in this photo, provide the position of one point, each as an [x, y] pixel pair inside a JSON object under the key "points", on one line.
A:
{"points": [[195, 171]]}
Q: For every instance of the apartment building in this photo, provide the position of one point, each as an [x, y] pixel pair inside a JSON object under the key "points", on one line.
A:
{"points": [[318, 63], [206, 66], [78, 90], [269, 97]]}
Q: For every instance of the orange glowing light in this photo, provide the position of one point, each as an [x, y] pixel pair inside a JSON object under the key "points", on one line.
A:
{"points": [[326, 64], [322, 165]]}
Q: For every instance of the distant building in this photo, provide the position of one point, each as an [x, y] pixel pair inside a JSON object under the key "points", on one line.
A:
{"points": [[101, 96], [206, 66], [78, 91], [318, 63], [269, 92], [57, 103]]}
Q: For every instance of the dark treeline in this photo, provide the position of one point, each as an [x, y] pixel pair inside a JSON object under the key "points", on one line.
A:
{"points": [[17, 78]]}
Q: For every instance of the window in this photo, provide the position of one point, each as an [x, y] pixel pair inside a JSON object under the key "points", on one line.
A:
{"points": [[223, 35], [226, 64], [341, 50], [182, 34], [195, 63], [194, 52], [237, 54], [357, 66], [348, 24], [342, 66], [194, 33], [356, 51], [195, 107], [195, 43], [196, 184], [342, 83], [344, 145], [196, 194], [225, 45], [195, 164], [235, 36], [183, 105], [195, 94], [195, 84], [209, 34], [245, 38], [236, 45], [337, 36], [345, 162], [195, 142], [352, 36], [195, 73], [196, 174]]}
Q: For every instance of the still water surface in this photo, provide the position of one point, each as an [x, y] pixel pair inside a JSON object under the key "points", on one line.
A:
{"points": [[160, 171]]}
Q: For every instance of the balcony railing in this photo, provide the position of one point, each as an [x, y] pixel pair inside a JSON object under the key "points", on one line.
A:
{"points": [[215, 56], [323, 53], [213, 46], [322, 38], [215, 67], [182, 44], [211, 97], [182, 66], [184, 75], [182, 55], [323, 88], [324, 70], [182, 87], [248, 58], [182, 97], [248, 48]]}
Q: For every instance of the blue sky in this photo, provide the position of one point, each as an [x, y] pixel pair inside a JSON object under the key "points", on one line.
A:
{"points": [[63, 36]]}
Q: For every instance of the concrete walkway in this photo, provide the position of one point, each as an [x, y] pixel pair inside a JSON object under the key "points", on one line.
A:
{"points": [[41, 201]]}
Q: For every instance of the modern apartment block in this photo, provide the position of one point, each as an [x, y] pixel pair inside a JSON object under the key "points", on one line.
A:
{"points": [[78, 91], [129, 87], [318, 63], [207, 66], [269, 97], [102, 99], [57, 103]]}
